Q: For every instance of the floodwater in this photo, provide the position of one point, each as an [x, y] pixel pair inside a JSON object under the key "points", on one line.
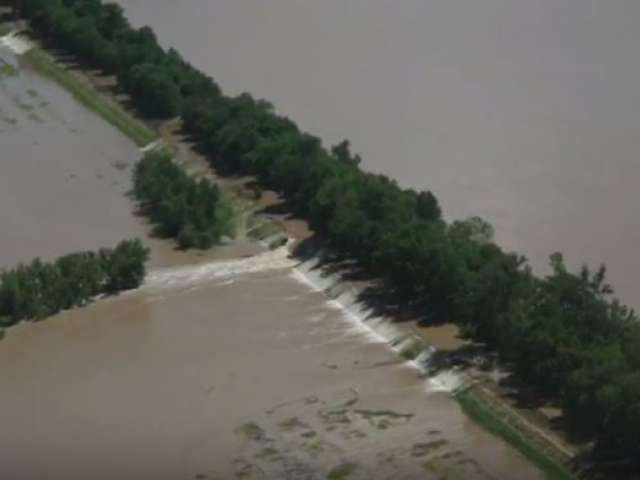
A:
{"points": [[526, 113], [245, 375], [65, 175], [218, 367]]}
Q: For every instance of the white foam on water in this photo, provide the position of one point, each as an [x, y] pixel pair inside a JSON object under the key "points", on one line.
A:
{"points": [[192, 275], [16, 42], [447, 381], [372, 328], [302, 278], [151, 146], [360, 321], [357, 324]]}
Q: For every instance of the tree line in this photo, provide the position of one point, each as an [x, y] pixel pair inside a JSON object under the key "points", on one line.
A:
{"points": [[39, 289], [192, 211], [101, 36], [564, 333]]}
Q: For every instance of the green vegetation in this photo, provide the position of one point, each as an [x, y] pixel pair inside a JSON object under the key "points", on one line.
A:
{"points": [[7, 70], [266, 228], [564, 334], [194, 212], [342, 472], [384, 413], [499, 425], [86, 94], [99, 34], [5, 28], [39, 289]]}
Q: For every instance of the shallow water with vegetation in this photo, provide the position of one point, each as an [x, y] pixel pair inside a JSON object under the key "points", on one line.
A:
{"points": [[66, 176]]}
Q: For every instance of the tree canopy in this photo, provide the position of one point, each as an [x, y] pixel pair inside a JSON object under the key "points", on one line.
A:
{"points": [[37, 290], [189, 210]]}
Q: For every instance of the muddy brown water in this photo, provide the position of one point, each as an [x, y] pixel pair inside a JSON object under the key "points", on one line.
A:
{"points": [[64, 174], [65, 178], [525, 113], [252, 376], [231, 369]]}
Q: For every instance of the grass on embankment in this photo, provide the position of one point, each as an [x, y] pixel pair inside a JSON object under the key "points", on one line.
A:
{"points": [[481, 413], [91, 98], [7, 70], [5, 28]]}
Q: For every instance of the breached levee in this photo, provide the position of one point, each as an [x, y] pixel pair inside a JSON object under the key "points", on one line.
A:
{"points": [[18, 43], [379, 328], [185, 276], [341, 296]]}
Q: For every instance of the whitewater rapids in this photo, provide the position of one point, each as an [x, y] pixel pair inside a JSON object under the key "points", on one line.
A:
{"points": [[184, 276], [375, 329]]}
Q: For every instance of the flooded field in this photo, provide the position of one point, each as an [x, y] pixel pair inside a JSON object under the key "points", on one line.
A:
{"points": [[523, 112], [220, 366], [247, 374], [64, 176]]}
